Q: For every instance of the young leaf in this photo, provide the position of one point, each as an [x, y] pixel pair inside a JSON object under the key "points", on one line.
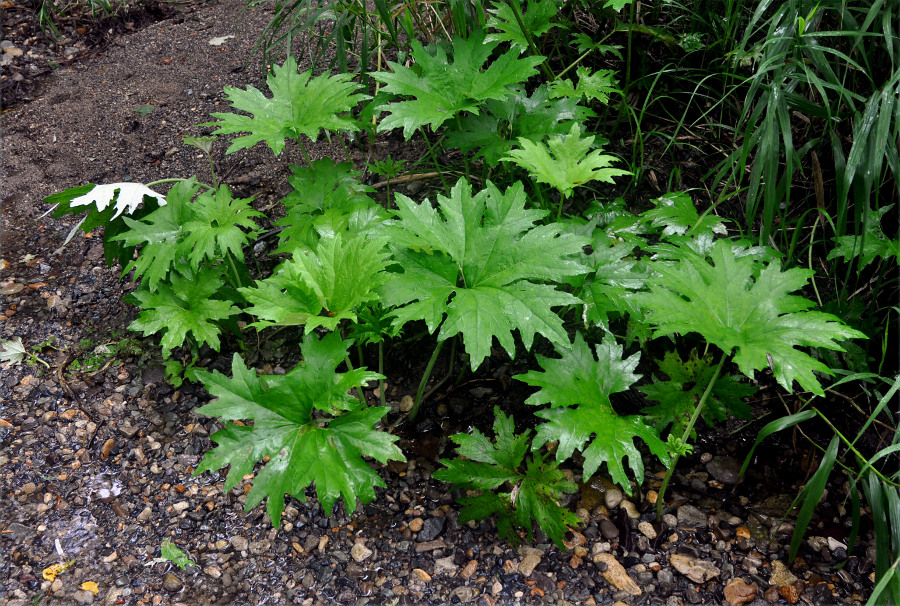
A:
{"points": [[564, 162], [677, 215], [303, 448], [873, 245], [596, 86], [537, 19], [169, 552], [299, 106], [536, 489], [473, 263], [494, 131], [578, 387], [342, 274], [159, 233], [214, 230], [127, 197], [442, 88], [183, 306], [755, 317], [679, 395]]}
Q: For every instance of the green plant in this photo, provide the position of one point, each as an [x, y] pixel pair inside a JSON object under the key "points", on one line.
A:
{"points": [[532, 487], [306, 425], [170, 553]]}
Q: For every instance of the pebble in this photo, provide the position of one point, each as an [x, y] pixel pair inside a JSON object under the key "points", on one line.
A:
{"points": [[259, 547], [691, 517], [213, 571], [360, 552], [239, 543], [416, 524], [145, 514], [631, 510], [781, 575], [445, 566], [724, 469], [463, 594], [608, 530], [697, 570], [738, 591], [179, 507], [615, 574], [172, 583], [646, 528], [421, 575], [528, 563], [406, 403], [613, 497], [431, 528], [790, 593], [469, 570]]}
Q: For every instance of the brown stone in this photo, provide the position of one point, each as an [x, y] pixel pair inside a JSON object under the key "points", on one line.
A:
{"points": [[790, 593], [737, 591], [615, 573]]}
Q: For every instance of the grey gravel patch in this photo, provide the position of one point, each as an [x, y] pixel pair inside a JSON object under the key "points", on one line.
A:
{"points": [[691, 517]]}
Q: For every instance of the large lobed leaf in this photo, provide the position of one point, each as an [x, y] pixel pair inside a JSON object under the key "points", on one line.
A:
{"points": [[325, 449], [320, 288], [471, 267], [299, 105], [564, 162], [578, 388], [441, 88], [757, 318]]}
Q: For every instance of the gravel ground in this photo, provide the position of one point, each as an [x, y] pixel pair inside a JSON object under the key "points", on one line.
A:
{"points": [[98, 450]]}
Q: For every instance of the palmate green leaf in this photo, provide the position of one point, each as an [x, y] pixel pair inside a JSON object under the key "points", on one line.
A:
{"points": [[616, 274], [596, 86], [303, 448], [215, 229], [181, 307], [299, 105], [342, 274], [537, 19], [873, 245], [537, 488], [158, 234], [441, 87], [676, 214], [564, 162], [756, 318], [678, 396], [468, 268], [578, 388], [494, 132]]}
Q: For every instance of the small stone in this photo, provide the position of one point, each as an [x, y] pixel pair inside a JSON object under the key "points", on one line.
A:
{"points": [[463, 594], [360, 552], [724, 469], [239, 543], [691, 517], [834, 544], [145, 514], [771, 595], [421, 575], [699, 571], [526, 566], [608, 530], [445, 566], [213, 571], [29, 488], [13, 51], [431, 528], [630, 510], [469, 570], [646, 528], [180, 507], [742, 532], [613, 497], [172, 583], [259, 547], [416, 524], [738, 592], [781, 575], [790, 593], [406, 403], [615, 574]]}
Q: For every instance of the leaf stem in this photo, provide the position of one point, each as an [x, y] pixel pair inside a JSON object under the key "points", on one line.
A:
{"points": [[434, 158], [687, 434], [427, 375], [513, 5], [176, 180], [304, 152]]}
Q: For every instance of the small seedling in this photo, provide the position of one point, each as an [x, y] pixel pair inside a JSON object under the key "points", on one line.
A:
{"points": [[170, 553]]}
